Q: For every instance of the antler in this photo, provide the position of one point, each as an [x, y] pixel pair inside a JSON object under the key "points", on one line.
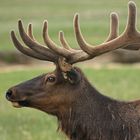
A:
{"points": [[35, 49], [114, 26], [129, 39], [114, 31]]}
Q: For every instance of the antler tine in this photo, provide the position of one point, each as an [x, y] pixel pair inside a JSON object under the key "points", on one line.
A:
{"points": [[131, 21], [32, 44], [77, 56], [129, 37], [61, 51], [25, 50], [80, 39], [131, 25], [114, 26], [30, 31], [63, 41]]}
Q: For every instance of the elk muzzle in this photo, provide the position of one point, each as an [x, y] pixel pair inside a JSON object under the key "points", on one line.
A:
{"points": [[16, 101]]}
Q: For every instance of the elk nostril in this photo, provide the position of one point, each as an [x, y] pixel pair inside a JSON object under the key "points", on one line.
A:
{"points": [[9, 94]]}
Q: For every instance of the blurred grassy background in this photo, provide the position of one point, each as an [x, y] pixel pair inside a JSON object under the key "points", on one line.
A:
{"points": [[94, 18], [122, 83]]}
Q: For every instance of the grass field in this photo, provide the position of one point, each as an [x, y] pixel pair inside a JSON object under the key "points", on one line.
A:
{"points": [[30, 124]]}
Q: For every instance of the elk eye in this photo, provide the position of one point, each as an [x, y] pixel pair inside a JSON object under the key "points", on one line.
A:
{"points": [[51, 79]]}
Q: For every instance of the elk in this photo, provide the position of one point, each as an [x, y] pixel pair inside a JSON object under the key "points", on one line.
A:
{"points": [[83, 112]]}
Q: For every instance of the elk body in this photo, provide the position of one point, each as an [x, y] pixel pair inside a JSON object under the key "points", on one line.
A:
{"points": [[83, 113]]}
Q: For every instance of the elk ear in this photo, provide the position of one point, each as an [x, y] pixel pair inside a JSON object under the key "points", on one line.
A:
{"points": [[73, 76], [69, 73]]}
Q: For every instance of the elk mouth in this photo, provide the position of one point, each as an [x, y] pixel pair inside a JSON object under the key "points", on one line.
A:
{"points": [[24, 103], [19, 104], [16, 104]]}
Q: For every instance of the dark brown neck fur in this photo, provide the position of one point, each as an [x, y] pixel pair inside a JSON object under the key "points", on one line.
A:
{"points": [[97, 117]]}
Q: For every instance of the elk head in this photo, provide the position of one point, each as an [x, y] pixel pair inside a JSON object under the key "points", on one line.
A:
{"points": [[55, 92]]}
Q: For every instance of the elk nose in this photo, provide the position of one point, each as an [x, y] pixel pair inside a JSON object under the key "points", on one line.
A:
{"points": [[9, 94]]}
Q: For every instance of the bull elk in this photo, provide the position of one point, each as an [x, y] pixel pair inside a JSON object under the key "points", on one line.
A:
{"points": [[83, 113]]}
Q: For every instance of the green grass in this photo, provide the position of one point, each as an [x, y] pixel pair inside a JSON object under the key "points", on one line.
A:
{"points": [[30, 124], [94, 18]]}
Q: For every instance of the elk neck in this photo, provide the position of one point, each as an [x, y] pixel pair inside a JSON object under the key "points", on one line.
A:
{"points": [[76, 120]]}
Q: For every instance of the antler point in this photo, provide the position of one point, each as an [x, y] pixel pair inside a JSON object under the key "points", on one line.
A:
{"points": [[61, 32], [45, 22], [12, 32], [30, 24], [114, 14], [45, 27], [131, 4], [19, 21], [76, 16]]}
